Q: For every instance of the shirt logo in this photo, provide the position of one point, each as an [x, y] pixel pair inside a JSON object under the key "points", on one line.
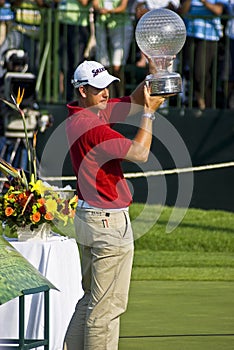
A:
{"points": [[97, 71]]}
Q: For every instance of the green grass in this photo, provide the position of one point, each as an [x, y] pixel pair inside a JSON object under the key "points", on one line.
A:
{"points": [[193, 266], [181, 295], [182, 288], [175, 315], [199, 230], [200, 248]]}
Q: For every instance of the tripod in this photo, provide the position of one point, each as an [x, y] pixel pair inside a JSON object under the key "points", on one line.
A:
{"points": [[15, 152]]}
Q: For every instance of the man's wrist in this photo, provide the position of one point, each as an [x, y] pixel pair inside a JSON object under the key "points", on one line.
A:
{"points": [[149, 115]]}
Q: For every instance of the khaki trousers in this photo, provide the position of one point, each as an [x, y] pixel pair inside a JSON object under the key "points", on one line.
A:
{"points": [[106, 247]]}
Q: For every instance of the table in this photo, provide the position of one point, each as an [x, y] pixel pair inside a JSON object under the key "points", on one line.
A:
{"points": [[58, 260]]}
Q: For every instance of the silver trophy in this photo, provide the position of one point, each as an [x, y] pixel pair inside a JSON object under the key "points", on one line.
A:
{"points": [[160, 35]]}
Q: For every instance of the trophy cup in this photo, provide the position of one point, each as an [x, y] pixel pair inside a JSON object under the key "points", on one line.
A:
{"points": [[160, 35]]}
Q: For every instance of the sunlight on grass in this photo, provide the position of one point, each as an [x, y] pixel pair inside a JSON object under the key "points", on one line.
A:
{"points": [[200, 248]]}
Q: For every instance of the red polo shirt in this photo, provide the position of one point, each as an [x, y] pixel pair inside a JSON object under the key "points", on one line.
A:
{"points": [[96, 152]]}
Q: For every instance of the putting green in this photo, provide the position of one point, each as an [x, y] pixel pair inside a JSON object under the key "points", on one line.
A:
{"points": [[179, 315]]}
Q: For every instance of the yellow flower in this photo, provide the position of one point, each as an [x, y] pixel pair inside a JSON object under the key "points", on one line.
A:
{"points": [[51, 205], [38, 187], [73, 201]]}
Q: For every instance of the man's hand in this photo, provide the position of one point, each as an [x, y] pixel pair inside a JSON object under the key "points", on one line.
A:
{"points": [[152, 103]]}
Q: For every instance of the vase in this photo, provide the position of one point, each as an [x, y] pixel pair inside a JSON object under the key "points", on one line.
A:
{"points": [[43, 232]]}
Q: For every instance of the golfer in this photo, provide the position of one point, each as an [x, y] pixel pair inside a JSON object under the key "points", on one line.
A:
{"points": [[102, 221]]}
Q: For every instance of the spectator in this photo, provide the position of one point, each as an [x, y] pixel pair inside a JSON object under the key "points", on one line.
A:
{"points": [[114, 33], [75, 33], [143, 6], [200, 50], [28, 20], [10, 40], [229, 31], [25, 32], [6, 17]]}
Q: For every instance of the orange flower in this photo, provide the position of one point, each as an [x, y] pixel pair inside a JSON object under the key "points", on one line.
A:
{"points": [[36, 217], [41, 201], [9, 211], [72, 214], [21, 195], [49, 216], [19, 97]]}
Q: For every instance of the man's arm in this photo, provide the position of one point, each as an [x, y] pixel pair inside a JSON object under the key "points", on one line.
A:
{"points": [[140, 148], [84, 2], [140, 97], [40, 3], [119, 9], [137, 96], [217, 8], [18, 3], [184, 7]]}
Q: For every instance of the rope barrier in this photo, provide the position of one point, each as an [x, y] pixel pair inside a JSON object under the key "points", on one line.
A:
{"points": [[150, 173], [179, 170]]}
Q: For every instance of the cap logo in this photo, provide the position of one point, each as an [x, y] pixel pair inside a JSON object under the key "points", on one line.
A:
{"points": [[97, 71]]}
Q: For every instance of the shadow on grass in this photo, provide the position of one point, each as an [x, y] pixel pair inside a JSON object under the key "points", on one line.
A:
{"points": [[176, 336], [199, 227]]}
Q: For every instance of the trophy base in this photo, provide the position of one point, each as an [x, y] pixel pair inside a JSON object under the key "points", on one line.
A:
{"points": [[167, 84]]}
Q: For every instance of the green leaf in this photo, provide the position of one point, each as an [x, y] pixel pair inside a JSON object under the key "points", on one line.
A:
{"points": [[12, 105]]}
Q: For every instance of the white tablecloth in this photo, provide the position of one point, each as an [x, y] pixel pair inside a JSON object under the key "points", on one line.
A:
{"points": [[58, 260]]}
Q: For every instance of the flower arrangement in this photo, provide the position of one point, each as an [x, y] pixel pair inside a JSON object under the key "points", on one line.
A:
{"points": [[28, 201], [34, 205]]}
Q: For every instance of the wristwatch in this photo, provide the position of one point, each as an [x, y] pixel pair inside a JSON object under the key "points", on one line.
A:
{"points": [[149, 115]]}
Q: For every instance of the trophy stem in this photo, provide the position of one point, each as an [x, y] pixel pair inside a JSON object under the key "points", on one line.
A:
{"points": [[162, 63]]}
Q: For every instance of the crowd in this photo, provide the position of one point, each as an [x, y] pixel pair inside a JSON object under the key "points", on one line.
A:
{"points": [[104, 30]]}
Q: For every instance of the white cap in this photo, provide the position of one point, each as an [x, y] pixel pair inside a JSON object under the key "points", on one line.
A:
{"points": [[94, 74]]}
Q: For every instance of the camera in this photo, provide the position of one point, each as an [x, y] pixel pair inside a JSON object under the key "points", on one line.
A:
{"points": [[17, 76]]}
